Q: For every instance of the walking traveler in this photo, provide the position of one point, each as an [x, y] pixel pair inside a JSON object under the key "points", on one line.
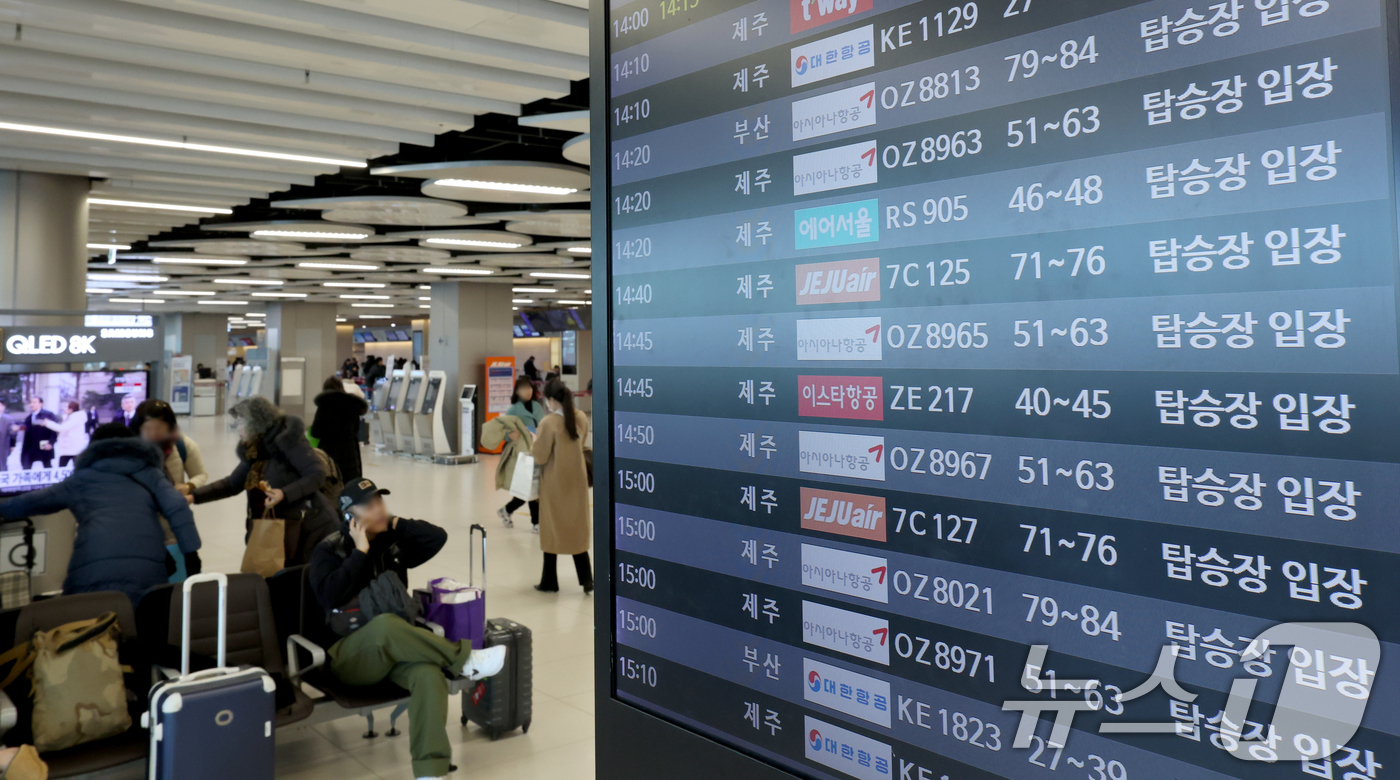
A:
{"points": [[278, 470], [529, 411], [564, 511], [372, 552], [336, 427]]}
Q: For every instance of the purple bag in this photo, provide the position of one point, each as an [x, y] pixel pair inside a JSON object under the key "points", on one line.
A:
{"points": [[460, 609]]}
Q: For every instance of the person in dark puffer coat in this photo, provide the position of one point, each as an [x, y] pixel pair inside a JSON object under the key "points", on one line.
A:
{"points": [[277, 467], [337, 426], [117, 492]]}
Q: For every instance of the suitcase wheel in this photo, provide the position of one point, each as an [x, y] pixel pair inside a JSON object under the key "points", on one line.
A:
{"points": [[495, 734], [525, 727]]}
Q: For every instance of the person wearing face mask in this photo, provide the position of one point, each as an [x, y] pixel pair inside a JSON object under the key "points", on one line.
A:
{"points": [[374, 545], [529, 411], [564, 511], [183, 464], [277, 470]]}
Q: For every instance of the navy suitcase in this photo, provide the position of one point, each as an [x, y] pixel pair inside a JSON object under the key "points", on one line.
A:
{"points": [[215, 724]]}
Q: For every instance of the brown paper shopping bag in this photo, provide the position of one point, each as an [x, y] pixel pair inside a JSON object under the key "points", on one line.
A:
{"points": [[266, 553]]}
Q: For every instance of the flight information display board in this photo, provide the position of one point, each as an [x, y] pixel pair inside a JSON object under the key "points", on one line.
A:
{"points": [[979, 366]]}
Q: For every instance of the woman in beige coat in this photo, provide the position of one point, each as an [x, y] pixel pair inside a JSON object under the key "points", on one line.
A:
{"points": [[564, 513]]}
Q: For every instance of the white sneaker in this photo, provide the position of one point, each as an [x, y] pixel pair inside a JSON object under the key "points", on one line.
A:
{"points": [[484, 663], [504, 514], [536, 528]]}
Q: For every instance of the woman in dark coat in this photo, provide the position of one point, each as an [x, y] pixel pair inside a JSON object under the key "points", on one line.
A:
{"points": [[118, 492], [278, 468], [337, 426]]}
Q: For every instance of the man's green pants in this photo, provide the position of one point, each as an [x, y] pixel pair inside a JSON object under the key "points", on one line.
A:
{"points": [[412, 658]]}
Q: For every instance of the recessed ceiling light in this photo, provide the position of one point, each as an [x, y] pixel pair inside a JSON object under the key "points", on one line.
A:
{"points": [[264, 282], [588, 292], [505, 186], [577, 303], [121, 277], [339, 266], [556, 275], [367, 297], [534, 289], [135, 300], [132, 139], [222, 303], [278, 295], [581, 250], [371, 305], [522, 300], [457, 271], [474, 242], [352, 284], [317, 235], [190, 293], [340, 319], [515, 308], [197, 261], [120, 247], [98, 290], [375, 316], [140, 204]]}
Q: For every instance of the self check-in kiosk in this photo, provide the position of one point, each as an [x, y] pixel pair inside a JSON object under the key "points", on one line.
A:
{"points": [[252, 382], [235, 383], [427, 424], [406, 412], [393, 398], [378, 397]]}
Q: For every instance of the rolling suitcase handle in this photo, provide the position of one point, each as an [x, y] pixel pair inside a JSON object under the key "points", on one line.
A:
{"points": [[221, 658], [471, 561]]}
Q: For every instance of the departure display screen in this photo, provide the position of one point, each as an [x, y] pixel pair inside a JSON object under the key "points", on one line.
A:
{"points": [[996, 386]]}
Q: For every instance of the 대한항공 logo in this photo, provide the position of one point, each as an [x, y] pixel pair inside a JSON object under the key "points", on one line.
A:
{"points": [[807, 14], [844, 691], [837, 55], [846, 751]]}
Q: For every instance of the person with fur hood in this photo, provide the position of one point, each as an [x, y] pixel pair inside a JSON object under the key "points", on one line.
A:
{"points": [[336, 427], [118, 492], [279, 470]]}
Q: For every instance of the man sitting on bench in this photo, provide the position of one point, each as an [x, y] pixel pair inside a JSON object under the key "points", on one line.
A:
{"points": [[358, 565]]}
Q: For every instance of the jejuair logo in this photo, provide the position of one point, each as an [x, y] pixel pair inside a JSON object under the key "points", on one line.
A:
{"points": [[814, 681], [842, 281]]}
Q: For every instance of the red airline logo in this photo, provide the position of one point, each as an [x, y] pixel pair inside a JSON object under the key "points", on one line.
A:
{"points": [[841, 397], [842, 281], [847, 514], [807, 14]]}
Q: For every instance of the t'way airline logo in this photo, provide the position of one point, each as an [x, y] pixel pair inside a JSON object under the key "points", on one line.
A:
{"points": [[807, 14]]}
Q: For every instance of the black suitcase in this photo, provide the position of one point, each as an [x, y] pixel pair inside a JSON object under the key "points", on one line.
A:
{"points": [[504, 702]]}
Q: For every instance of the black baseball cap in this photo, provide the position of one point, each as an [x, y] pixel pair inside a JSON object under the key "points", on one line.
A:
{"points": [[358, 492]]}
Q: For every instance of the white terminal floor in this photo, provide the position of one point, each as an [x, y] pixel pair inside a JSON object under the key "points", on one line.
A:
{"points": [[560, 743]]}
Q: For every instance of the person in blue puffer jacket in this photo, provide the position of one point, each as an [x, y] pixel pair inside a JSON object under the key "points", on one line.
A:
{"points": [[117, 492]]}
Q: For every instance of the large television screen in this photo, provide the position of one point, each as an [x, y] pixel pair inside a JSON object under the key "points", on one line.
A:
{"points": [[977, 367], [46, 420]]}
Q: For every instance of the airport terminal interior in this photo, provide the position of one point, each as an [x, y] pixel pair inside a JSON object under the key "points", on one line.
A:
{"points": [[696, 389]]}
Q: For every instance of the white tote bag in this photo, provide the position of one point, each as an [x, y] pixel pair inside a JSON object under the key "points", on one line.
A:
{"points": [[525, 481]]}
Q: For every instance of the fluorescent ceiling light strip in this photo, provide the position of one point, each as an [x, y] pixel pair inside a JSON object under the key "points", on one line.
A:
{"points": [[425, 306], [505, 186], [196, 261], [256, 314], [352, 284], [556, 275], [371, 305], [118, 247], [458, 271], [190, 293], [534, 289], [265, 282], [141, 204], [277, 295], [120, 277], [131, 139], [577, 303], [223, 303], [424, 298], [98, 290], [135, 300], [581, 250], [375, 316], [313, 234], [338, 266], [474, 242], [522, 300], [366, 297]]}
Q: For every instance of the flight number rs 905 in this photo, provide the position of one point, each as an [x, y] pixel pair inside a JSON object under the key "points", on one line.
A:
{"points": [[949, 208], [640, 481]]}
